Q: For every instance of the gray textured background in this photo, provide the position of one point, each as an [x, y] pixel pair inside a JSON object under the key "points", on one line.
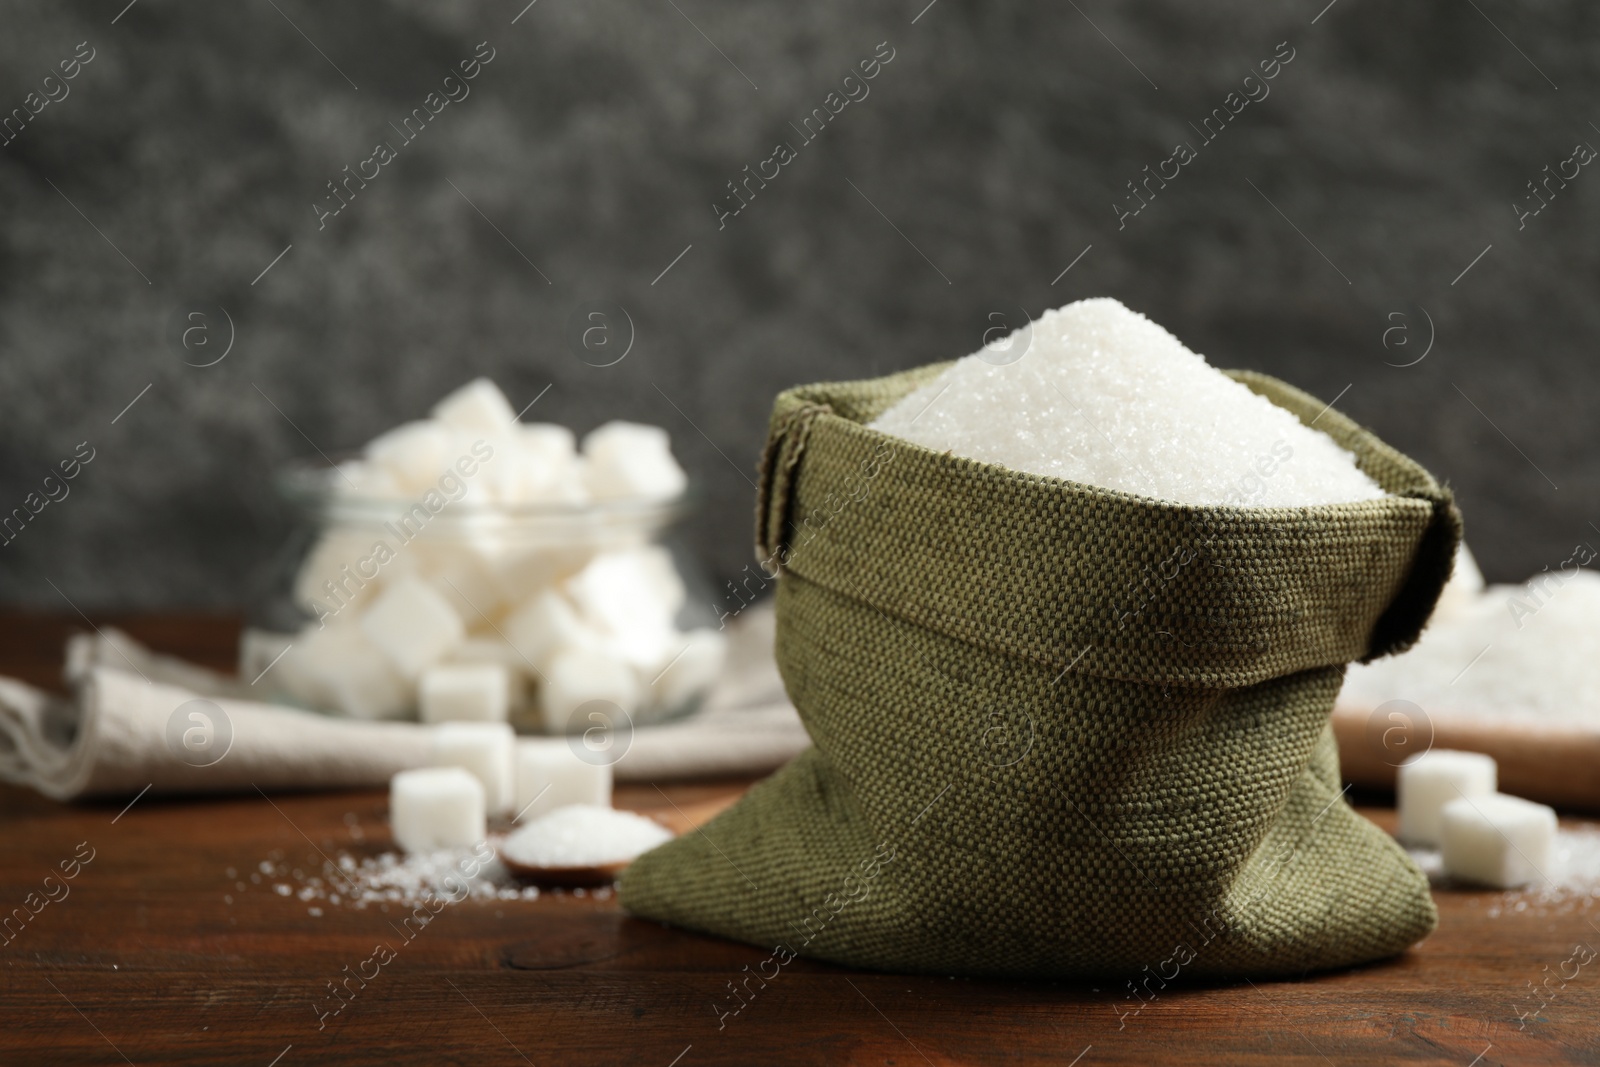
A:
{"points": [[996, 142]]}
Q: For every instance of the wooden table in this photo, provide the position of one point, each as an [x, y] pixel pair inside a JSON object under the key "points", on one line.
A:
{"points": [[155, 956]]}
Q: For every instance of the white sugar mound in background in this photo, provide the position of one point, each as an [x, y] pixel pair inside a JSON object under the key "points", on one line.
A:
{"points": [[1516, 651], [584, 835], [1105, 397]]}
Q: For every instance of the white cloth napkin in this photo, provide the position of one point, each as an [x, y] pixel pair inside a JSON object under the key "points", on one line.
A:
{"points": [[111, 736]]}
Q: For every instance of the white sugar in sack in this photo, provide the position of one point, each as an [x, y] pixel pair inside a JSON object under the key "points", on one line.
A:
{"points": [[1105, 397]]}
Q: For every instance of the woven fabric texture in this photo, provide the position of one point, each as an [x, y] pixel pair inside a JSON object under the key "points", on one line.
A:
{"points": [[1059, 730]]}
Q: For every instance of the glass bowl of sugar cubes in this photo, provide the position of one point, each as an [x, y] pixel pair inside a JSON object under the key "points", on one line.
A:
{"points": [[473, 567]]}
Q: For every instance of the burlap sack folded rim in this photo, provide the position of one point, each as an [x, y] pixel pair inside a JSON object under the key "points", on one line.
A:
{"points": [[1199, 630]]}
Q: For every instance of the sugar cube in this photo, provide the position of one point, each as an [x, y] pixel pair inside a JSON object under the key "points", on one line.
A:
{"points": [[522, 573], [336, 668], [470, 588], [477, 407], [328, 581], [484, 749], [538, 464], [436, 807], [551, 775], [1427, 782], [491, 647], [545, 623], [464, 692], [366, 478], [495, 650], [646, 646], [691, 671], [415, 454], [1498, 840], [364, 684], [626, 460], [620, 588], [413, 624], [575, 676]]}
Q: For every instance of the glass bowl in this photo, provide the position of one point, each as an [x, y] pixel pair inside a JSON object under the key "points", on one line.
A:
{"points": [[589, 609]]}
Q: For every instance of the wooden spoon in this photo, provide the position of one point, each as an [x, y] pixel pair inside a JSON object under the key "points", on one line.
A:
{"points": [[566, 877]]}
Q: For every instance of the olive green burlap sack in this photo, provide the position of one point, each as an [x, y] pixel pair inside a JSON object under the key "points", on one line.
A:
{"points": [[1061, 730]]}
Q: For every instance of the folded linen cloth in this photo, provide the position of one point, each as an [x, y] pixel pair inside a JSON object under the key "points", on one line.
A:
{"points": [[115, 735]]}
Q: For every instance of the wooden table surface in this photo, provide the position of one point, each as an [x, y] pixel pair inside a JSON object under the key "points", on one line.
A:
{"points": [[156, 956]]}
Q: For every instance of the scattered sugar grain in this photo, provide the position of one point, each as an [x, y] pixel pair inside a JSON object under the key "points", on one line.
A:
{"points": [[1105, 397], [409, 880], [1575, 876]]}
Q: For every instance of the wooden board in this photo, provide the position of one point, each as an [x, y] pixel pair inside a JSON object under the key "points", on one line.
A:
{"points": [[155, 956], [1554, 763]]}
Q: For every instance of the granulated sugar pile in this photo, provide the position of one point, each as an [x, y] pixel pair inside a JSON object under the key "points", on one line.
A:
{"points": [[1105, 397], [584, 835], [1513, 652]]}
